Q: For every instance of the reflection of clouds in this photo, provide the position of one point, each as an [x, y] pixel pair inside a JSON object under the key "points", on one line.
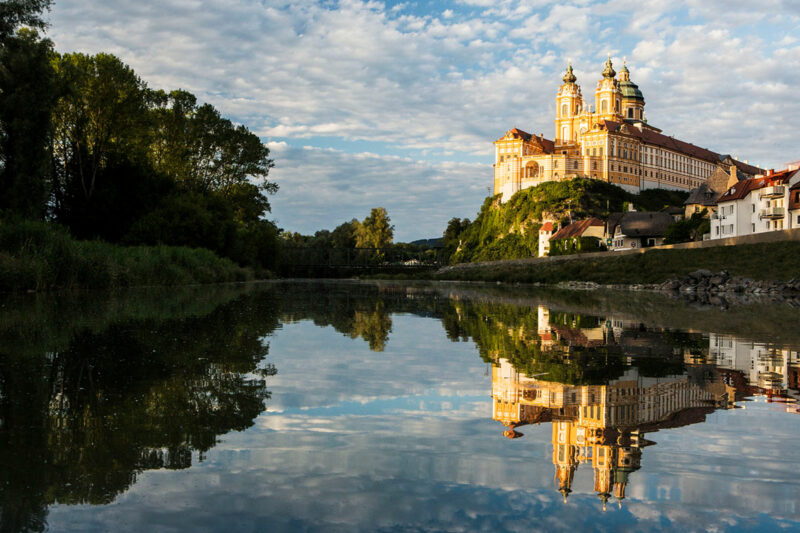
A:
{"points": [[319, 367], [341, 448]]}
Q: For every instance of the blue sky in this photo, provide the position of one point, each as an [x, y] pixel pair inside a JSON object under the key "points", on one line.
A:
{"points": [[397, 103]]}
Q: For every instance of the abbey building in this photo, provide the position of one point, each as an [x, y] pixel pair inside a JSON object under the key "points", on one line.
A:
{"points": [[609, 140]]}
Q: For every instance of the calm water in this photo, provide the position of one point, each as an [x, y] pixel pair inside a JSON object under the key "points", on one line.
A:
{"points": [[385, 407]]}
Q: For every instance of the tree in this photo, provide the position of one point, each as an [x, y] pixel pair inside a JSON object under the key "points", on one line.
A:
{"points": [[375, 231], [205, 151], [16, 13], [101, 116], [28, 95]]}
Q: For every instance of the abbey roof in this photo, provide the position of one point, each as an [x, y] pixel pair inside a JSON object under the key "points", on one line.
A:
{"points": [[670, 143]]}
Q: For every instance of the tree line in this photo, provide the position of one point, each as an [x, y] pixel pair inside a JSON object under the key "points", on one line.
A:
{"points": [[85, 143]]}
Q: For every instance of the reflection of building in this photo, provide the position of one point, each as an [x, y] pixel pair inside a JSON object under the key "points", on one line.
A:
{"points": [[768, 369], [600, 425]]}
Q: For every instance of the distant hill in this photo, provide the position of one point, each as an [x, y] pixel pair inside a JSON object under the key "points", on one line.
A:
{"points": [[511, 230], [429, 243]]}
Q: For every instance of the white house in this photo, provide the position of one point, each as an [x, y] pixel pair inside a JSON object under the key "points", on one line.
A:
{"points": [[764, 203], [545, 232]]}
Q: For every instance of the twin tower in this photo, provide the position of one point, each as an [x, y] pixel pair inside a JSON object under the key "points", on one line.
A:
{"points": [[615, 99]]}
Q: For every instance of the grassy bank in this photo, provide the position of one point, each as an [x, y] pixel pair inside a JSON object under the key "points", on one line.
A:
{"points": [[769, 261], [37, 256]]}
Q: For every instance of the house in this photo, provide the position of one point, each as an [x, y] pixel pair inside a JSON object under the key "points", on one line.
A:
{"points": [[706, 195], [765, 203], [635, 229], [545, 232], [676, 213], [570, 238]]}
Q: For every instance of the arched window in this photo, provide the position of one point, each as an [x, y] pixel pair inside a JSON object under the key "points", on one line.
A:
{"points": [[564, 109], [565, 133], [604, 106]]}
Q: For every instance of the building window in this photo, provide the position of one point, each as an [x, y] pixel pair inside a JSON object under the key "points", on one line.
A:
{"points": [[630, 112], [754, 208], [604, 106], [753, 227], [564, 110]]}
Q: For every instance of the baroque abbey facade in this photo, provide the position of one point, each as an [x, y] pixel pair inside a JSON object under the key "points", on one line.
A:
{"points": [[609, 140]]}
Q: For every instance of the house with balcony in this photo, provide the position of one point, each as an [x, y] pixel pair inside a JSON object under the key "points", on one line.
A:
{"points": [[761, 204]]}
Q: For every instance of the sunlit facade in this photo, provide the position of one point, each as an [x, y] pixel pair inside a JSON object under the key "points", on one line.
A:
{"points": [[609, 140]]}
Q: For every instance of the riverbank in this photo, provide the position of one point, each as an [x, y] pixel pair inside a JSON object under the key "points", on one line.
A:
{"points": [[38, 256], [753, 266]]}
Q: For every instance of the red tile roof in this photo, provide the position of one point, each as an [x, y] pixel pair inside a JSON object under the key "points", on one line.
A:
{"points": [[516, 133], [577, 229], [547, 226], [745, 187], [670, 143]]}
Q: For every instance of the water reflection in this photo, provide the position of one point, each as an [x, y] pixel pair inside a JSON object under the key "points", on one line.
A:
{"points": [[374, 405], [650, 379], [85, 407]]}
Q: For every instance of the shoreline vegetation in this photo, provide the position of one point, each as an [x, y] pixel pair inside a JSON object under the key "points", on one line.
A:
{"points": [[40, 256]]}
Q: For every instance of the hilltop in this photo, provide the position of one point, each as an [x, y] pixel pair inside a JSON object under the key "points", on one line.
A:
{"points": [[511, 230]]}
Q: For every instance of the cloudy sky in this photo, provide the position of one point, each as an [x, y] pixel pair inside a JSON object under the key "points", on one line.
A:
{"points": [[397, 103]]}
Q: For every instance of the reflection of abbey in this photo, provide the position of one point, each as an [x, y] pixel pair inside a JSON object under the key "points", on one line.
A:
{"points": [[609, 140], [602, 424]]}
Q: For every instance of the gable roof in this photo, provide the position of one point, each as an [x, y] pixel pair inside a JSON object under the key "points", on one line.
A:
{"points": [[645, 224], [577, 229], [547, 226], [743, 188], [546, 145]]}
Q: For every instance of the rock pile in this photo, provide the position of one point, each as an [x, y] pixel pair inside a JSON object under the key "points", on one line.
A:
{"points": [[722, 282]]}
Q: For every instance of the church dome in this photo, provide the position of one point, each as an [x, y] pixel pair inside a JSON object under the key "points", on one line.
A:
{"points": [[630, 90]]}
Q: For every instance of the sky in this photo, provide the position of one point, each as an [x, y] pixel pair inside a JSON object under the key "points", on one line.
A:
{"points": [[397, 104]]}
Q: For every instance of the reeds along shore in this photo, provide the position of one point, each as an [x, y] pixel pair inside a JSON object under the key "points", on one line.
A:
{"points": [[39, 256]]}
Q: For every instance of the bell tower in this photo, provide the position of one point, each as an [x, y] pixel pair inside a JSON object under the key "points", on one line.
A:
{"points": [[632, 98], [608, 99], [569, 103]]}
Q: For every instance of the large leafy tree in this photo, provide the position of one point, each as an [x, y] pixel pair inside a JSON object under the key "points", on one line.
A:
{"points": [[26, 86], [101, 116], [375, 231], [204, 150]]}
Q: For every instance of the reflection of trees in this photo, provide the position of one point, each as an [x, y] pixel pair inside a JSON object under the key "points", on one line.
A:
{"points": [[79, 423], [559, 350]]}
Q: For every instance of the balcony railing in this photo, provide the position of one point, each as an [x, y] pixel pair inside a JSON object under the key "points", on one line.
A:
{"points": [[771, 212], [776, 191]]}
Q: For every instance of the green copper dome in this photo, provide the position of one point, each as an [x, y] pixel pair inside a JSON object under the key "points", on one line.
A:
{"points": [[630, 90]]}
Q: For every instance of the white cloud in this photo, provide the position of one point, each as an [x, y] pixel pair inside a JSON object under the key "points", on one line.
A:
{"points": [[715, 73]]}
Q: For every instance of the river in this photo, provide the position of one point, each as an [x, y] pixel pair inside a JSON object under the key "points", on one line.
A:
{"points": [[382, 406]]}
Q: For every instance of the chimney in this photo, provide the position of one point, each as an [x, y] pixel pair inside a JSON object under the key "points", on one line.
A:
{"points": [[770, 172], [733, 172]]}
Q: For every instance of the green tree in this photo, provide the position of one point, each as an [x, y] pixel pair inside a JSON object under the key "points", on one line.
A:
{"points": [[28, 94], [344, 235], [16, 13], [101, 116], [205, 151], [375, 231]]}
